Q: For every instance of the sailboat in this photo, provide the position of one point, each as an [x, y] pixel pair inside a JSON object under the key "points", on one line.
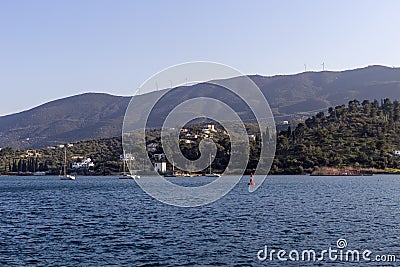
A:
{"points": [[211, 174], [126, 175], [66, 176]]}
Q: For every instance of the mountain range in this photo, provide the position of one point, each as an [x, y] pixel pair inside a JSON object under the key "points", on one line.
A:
{"points": [[94, 115]]}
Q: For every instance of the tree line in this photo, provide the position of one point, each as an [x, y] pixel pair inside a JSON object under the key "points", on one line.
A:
{"points": [[359, 135]]}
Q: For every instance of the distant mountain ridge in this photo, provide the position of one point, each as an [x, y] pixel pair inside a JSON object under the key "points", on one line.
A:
{"points": [[316, 90], [94, 115], [80, 117]]}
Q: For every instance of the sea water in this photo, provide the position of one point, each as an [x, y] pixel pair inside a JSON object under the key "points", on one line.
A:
{"points": [[99, 221]]}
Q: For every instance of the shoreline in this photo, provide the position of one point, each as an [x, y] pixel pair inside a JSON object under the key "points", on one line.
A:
{"points": [[202, 176]]}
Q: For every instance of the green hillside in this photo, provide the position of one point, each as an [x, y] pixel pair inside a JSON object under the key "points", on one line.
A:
{"points": [[359, 135], [356, 136]]}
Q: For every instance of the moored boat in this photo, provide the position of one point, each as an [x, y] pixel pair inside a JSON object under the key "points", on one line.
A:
{"points": [[64, 175]]}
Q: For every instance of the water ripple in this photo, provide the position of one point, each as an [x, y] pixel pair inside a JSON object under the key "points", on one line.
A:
{"points": [[97, 221]]}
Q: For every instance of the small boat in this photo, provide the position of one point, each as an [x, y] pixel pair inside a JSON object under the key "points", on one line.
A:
{"points": [[129, 176], [211, 174], [251, 182], [66, 176], [39, 173], [125, 175]]}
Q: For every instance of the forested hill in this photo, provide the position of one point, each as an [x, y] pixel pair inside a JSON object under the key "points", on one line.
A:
{"points": [[359, 135], [353, 136]]}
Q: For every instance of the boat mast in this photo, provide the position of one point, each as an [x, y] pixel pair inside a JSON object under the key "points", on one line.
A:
{"points": [[210, 163], [124, 165], [65, 161]]}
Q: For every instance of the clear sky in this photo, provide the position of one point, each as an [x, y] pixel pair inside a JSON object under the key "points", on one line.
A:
{"points": [[52, 49]]}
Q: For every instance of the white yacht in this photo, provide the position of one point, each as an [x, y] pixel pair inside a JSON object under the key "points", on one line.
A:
{"points": [[64, 175], [211, 174], [125, 175]]}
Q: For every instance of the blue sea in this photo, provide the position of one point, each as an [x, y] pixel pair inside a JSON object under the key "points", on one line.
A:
{"points": [[104, 221]]}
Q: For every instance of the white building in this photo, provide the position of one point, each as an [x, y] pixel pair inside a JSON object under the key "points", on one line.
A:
{"points": [[210, 128], [152, 147], [396, 152], [160, 167], [206, 131], [159, 156], [126, 157], [252, 137], [85, 164]]}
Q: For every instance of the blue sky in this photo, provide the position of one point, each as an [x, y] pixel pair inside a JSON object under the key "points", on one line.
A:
{"points": [[52, 49]]}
